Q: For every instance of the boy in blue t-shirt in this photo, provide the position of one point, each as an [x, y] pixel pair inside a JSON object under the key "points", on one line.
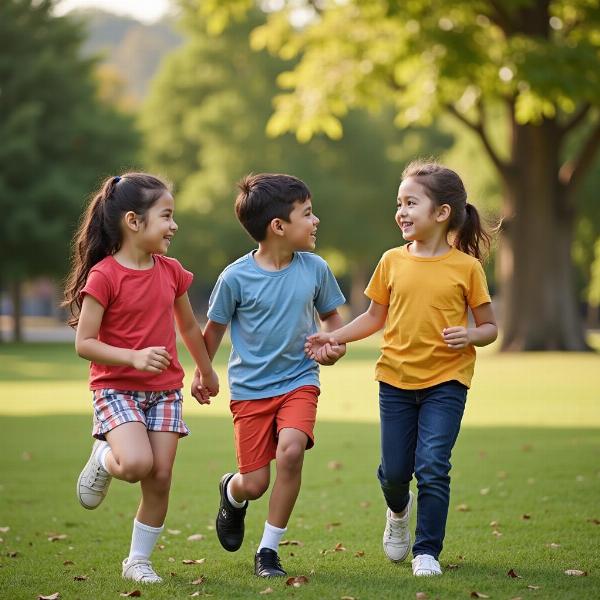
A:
{"points": [[271, 297]]}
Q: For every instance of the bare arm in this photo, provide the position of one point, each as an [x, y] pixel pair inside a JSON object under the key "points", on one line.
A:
{"points": [[153, 359], [213, 334], [484, 332]]}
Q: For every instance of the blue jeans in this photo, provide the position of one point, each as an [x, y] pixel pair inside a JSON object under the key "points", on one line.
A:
{"points": [[418, 431]]}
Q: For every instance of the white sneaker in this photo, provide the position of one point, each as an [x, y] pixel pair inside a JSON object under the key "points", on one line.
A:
{"points": [[396, 535], [424, 565], [140, 570], [94, 480]]}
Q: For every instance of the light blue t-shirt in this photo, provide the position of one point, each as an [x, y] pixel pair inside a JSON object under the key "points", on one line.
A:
{"points": [[271, 314]]}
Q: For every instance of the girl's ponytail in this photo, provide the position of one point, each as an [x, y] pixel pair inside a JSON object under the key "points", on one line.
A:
{"points": [[472, 238], [99, 232]]}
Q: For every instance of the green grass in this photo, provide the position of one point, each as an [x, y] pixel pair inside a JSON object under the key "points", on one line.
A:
{"points": [[530, 446]]}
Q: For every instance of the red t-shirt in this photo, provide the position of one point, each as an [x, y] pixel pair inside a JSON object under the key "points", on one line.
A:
{"points": [[138, 312]]}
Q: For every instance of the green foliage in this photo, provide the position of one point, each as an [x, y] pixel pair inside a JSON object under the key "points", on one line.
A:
{"points": [[57, 138], [205, 125]]}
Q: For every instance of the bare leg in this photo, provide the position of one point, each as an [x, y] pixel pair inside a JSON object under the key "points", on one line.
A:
{"points": [[289, 460], [131, 457]]}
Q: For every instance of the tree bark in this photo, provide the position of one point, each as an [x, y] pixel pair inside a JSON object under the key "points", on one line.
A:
{"points": [[16, 297], [536, 272]]}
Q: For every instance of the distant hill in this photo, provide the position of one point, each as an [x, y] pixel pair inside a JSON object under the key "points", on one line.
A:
{"points": [[132, 48]]}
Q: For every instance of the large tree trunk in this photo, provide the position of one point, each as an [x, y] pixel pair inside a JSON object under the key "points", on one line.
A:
{"points": [[16, 297], [540, 308]]}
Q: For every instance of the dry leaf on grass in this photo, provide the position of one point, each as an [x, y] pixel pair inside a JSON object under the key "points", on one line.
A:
{"points": [[161, 546], [512, 573], [421, 596], [348, 598], [334, 465], [553, 545], [199, 581], [365, 504], [196, 537], [80, 578], [267, 591], [291, 543], [575, 573], [497, 533], [526, 516], [4, 529], [478, 595], [12, 554], [68, 562], [463, 508], [297, 581], [452, 566], [54, 596], [484, 491], [193, 561], [534, 587], [54, 537], [494, 524], [359, 553], [339, 547], [174, 531], [330, 526], [594, 521], [132, 594]]}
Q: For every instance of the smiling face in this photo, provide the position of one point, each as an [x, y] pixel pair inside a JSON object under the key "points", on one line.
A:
{"points": [[158, 227], [301, 230], [417, 215]]}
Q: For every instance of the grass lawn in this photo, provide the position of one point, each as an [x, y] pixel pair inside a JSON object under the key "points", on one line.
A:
{"points": [[525, 490]]}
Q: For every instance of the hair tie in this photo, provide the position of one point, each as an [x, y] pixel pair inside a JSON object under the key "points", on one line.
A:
{"points": [[116, 179]]}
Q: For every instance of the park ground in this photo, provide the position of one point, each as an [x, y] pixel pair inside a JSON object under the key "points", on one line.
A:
{"points": [[525, 504]]}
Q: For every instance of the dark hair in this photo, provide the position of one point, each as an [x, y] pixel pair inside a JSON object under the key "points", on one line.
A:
{"points": [[99, 233], [444, 186], [267, 196]]}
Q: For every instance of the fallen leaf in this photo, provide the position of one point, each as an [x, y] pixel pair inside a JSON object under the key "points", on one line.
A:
{"points": [[12, 554], [526, 447], [267, 591], [517, 598], [26, 456], [484, 491], [80, 578], [463, 508], [199, 581], [502, 474], [348, 598], [497, 533], [334, 465], [512, 573], [553, 545], [195, 594], [132, 594], [594, 521], [173, 574], [330, 526], [4, 529], [534, 587], [452, 566], [193, 561], [421, 595], [359, 553], [339, 547], [291, 543], [57, 536], [365, 504], [575, 572], [478, 595], [526, 517], [297, 581], [196, 537], [68, 562], [174, 531], [161, 546], [494, 523], [171, 559], [54, 596]]}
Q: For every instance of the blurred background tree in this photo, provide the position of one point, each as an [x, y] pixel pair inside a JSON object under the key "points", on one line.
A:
{"points": [[58, 140], [536, 61]]}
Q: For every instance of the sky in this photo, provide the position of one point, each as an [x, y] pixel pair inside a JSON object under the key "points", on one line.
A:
{"points": [[147, 11]]}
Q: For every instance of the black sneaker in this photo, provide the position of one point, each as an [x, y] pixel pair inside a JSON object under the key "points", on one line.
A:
{"points": [[266, 564], [230, 520]]}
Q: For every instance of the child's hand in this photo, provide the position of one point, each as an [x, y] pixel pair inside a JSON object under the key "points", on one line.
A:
{"points": [[329, 354], [456, 337], [154, 359], [198, 391], [315, 342], [210, 382]]}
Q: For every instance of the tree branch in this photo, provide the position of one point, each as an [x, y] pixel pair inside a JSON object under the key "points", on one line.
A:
{"points": [[572, 172], [576, 118], [478, 128]]}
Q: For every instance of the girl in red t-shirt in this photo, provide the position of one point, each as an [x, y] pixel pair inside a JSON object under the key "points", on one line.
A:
{"points": [[124, 295]]}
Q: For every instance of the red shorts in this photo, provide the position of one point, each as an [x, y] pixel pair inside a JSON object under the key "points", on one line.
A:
{"points": [[257, 424]]}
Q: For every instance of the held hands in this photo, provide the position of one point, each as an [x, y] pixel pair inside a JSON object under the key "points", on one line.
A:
{"points": [[456, 337], [324, 348], [205, 386], [154, 359]]}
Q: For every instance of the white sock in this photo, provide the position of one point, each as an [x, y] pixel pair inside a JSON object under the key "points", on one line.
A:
{"points": [[102, 456], [271, 537], [233, 501], [143, 539]]}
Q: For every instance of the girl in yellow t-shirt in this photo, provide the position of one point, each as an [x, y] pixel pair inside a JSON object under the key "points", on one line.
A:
{"points": [[421, 293]]}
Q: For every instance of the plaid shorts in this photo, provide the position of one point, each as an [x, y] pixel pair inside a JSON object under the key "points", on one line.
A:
{"points": [[158, 411]]}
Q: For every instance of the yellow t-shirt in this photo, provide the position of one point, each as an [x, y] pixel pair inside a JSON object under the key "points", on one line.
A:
{"points": [[425, 295]]}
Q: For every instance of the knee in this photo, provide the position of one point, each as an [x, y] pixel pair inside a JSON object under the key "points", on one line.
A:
{"points": [[291, 456], [161, 480], [254, 488], [135, 469]]}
